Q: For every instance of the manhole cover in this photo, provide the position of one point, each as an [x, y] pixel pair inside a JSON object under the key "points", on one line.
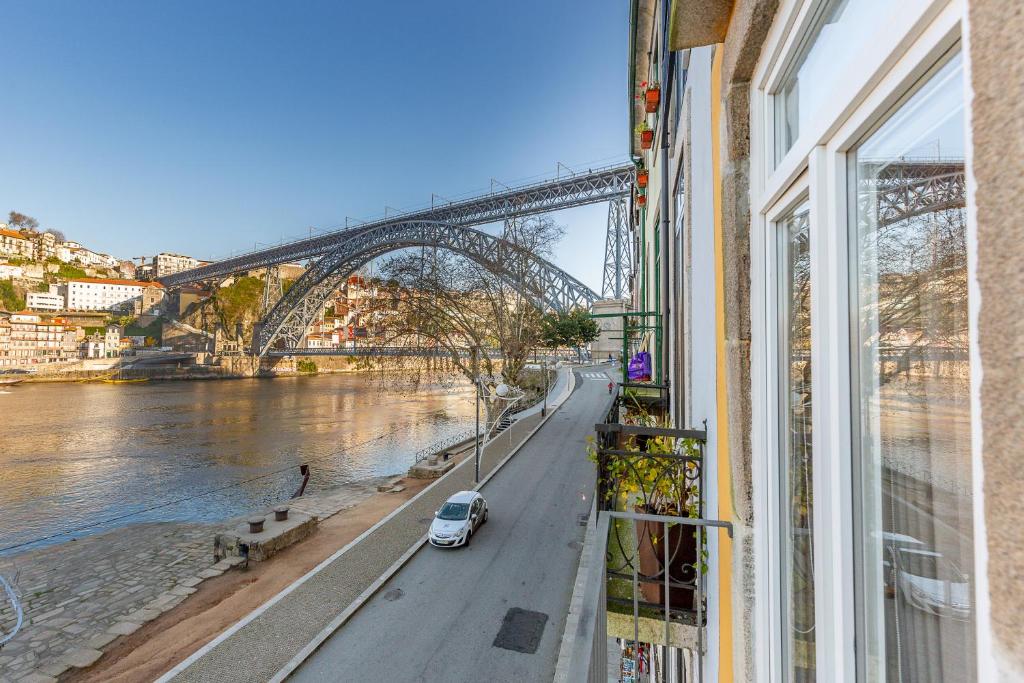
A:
{"points": [[575, 545], [394, 594], [521, 630]]}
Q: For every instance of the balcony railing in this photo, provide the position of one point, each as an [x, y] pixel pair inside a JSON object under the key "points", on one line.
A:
{"points": [[646, 580]]}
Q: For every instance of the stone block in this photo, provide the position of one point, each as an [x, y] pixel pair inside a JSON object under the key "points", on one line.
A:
{"points": [[261, 546], [37, 677], [210, 573], [183, 590], [81, 657], [192, 581], [124, 628], [101, 640], [143, 615]]}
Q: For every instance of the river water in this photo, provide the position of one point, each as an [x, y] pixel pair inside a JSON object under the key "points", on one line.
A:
{"points": [[75, 454]]}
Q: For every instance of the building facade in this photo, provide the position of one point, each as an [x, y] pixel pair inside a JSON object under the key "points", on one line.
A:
{"points": [[168, 264], [103, 294], [52, 300], [14, 244], [35, 340], [823, 241]]}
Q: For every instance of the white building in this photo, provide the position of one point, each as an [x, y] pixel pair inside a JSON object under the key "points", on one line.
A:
{"points": [[13, 243], [103, 294], [168, 264], [51, 300]]}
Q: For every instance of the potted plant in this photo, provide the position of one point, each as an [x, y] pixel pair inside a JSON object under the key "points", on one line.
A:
{"points": [[646, 135], [652, 96], [665, 485], [642, 176]]}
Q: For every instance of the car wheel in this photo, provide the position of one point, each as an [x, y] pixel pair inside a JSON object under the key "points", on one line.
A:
{"points": [[485, 516], [469, 537]]}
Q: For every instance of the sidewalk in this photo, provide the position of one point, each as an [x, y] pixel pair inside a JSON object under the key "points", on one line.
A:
{"points": [[264, 642]]}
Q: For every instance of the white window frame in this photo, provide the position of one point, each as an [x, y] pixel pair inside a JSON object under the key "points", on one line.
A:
{"points": [[906, 46]]}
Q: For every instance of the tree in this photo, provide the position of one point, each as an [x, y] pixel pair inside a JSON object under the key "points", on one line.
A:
{"points": [[574, 329], [444, 301], [57, 234], [20, 221]]}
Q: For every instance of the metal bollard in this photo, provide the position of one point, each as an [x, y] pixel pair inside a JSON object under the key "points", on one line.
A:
{"points": [[281, 513], [256, 524]]}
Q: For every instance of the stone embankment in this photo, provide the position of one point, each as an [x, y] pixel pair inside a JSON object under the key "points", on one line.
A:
{"points": [[80, 596]]}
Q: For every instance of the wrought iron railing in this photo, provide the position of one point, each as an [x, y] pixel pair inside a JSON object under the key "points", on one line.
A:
{"points": [[586, 659], [647, 576]]}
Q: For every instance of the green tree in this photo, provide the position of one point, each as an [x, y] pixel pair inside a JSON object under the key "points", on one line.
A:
{"points": [[10, 300], [574, 329]]}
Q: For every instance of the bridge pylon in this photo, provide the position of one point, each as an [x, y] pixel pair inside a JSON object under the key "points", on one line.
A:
{"points": [[618, 260]]}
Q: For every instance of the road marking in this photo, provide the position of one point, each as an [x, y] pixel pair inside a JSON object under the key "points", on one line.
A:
{"points": [[595, 375]]}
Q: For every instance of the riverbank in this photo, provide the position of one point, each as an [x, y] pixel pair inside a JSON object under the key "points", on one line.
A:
{"points": [[80, 596]]}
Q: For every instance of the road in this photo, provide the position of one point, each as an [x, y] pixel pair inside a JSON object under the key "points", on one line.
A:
{"points": [[439, 617]]}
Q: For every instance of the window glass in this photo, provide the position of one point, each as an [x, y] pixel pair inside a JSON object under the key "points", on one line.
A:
{"points": [[839, 28], [795, 433], [913, 455]]}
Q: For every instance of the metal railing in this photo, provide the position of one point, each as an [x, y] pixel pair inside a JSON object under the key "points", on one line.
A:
{"points": [[648, 556], [588, 656]]}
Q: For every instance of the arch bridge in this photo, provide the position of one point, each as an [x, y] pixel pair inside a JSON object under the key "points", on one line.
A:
{"points": [[335, 256]]}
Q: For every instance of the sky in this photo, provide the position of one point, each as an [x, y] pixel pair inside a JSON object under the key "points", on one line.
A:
{"points": [[206, 128]]}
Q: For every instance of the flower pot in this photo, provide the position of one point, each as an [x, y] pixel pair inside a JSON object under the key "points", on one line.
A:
{"points": [[641, 178], [641, 200], [652, 97], [647, 139], [682, 560]]}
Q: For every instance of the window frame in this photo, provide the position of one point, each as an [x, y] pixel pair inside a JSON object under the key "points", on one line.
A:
{"points": [[907, 46]]}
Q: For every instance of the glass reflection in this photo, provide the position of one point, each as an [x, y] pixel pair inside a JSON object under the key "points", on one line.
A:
{"points": [[797, 498], [914, 586]]}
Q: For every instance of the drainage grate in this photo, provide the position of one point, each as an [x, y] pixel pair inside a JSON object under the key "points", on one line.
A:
{"points": [[521, 630], [582, 519]]}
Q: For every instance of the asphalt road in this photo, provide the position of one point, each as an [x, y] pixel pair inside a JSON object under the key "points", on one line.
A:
{"points": [[439, 618]]}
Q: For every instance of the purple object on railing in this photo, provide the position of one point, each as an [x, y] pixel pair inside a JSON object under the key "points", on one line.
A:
{"points": [[640, 367]]}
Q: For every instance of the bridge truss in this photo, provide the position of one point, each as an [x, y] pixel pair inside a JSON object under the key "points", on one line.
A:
{"points": [[537, 279], [562, 193], [335, 256]]}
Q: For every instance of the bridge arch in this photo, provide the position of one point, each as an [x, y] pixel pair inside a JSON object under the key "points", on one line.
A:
{"points": [[543, 282]]}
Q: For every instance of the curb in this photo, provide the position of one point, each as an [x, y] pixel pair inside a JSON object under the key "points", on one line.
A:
{"points": [[365, 596]]}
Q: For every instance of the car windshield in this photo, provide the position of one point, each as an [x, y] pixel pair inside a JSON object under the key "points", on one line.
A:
{"points": [[454, 511]]}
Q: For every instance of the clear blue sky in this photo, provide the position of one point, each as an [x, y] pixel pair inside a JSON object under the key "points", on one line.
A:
{"points": [[204, 127]]}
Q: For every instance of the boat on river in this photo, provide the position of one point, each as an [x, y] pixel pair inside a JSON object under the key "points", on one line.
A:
{"points": [[10, 381]]}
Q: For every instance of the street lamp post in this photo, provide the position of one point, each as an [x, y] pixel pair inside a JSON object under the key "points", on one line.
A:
{"points": [[476, 389], [544, 410]]}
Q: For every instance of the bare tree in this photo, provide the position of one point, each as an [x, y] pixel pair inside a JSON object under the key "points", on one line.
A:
{"points": [[20, 221], [480, 318]]}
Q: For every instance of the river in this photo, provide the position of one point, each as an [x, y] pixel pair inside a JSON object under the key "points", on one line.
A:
{"points": [[76, 454]]}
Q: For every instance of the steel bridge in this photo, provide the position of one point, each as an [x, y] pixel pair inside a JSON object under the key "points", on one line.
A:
{"points": [[395, 351], [335, 256]]}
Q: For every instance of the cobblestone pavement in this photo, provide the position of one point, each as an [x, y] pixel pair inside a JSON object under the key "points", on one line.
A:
{"points": [[79, 596], [261, 647]]}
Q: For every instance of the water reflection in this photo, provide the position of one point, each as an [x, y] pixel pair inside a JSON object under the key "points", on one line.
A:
{"points": [[72, 454]]}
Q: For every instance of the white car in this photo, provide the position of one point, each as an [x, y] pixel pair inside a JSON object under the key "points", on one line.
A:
{"points": [[458, 519]]}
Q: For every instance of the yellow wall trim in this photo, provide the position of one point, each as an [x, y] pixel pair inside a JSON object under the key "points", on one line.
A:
{"points": [[725, 645]]}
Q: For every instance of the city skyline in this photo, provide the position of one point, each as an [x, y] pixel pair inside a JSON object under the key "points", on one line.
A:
{"points": [[134, 145]]}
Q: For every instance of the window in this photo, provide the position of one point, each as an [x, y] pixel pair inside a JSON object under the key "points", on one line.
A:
{"points": [[795, 466], [837, 26], [912, 455]]}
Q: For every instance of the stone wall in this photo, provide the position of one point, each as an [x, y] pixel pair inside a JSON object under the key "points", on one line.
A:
{"points": [[997, 128]]}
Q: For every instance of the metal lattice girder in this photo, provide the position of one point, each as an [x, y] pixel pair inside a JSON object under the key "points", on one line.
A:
{"points": [[547, 285], [904, 189], [566, 192], [618, 262]]}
